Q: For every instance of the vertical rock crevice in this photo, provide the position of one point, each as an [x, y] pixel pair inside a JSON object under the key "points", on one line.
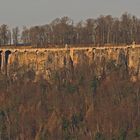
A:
{"points": [[7, 53], [0, 60]]}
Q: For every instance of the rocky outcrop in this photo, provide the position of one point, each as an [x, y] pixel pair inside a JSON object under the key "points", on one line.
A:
{"points": [[47, 60]]}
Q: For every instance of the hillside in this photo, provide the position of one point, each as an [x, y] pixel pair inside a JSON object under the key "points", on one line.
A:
{"points": [[74, 103]]}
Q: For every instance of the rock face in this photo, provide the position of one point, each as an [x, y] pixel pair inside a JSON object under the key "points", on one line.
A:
{"points": [[46, 60]]}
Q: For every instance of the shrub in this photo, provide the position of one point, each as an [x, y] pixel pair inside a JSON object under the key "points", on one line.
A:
{"points": [[99, 136], [111, 65], [71, 88], [94, 84], [123, 134]]}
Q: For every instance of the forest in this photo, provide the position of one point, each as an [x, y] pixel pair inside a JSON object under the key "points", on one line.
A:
{"points": [[75, 104], [104, 30]]}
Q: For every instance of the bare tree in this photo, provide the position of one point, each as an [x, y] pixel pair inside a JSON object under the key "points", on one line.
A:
{"points": [[4, 38], [15, 35], [104, 30], [25, 36]]}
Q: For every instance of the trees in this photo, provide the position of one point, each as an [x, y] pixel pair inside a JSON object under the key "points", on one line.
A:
{"points": [[4, 36], [105, 30], [37, 36], [34, 36], [90, 29], [25, 36], [15, 35], [10, 37], [62, 31], [125, 28]]}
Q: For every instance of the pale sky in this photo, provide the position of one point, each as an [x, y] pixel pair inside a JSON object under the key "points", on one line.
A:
{"points": [[34, 12]]}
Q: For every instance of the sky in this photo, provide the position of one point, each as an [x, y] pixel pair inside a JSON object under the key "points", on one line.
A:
{"points": [[40, 12]]}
